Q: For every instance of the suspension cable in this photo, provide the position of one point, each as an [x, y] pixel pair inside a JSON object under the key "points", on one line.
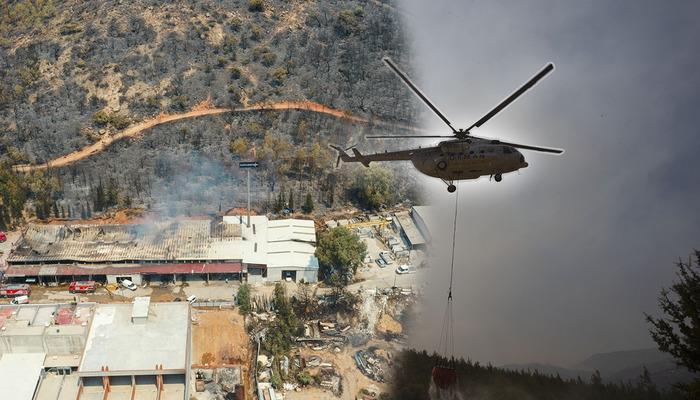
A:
{"points": [[447, 336]]}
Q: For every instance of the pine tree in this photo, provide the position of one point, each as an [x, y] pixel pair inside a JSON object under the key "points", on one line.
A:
{"points": [[291, 199], [677, 332], [308, 204]]}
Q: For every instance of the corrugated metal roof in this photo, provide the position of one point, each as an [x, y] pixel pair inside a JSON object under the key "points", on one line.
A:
{"points": [[221, 245], [185, 268], [177, 240]]}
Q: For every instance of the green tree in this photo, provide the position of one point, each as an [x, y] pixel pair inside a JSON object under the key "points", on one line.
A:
{"points": [[308, 206], [280, 337], [243, 299], [339, 253], [291, 199], [372, 188], [678, 331]]}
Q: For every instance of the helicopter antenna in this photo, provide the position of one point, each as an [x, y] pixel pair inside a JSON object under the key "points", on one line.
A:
{"points": [[547, 69], [417, 91]]}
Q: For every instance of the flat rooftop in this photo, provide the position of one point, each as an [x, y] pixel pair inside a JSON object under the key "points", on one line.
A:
{"points": [[413, 235], [115, 342], [45, 314], [19, 375]]}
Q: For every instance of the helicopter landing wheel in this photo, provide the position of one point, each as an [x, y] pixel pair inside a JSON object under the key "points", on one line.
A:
{"points": [[498, 177], [451, 188]]}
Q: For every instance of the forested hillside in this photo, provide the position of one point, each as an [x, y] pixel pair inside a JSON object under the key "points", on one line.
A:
{"points": [[474, 381], [76, 73]]}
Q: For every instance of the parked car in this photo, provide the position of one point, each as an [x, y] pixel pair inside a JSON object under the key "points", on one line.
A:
{"points": [[405, 269], [381, 263], [3, 236], [82, 287], [20, 300], [128, 284]]}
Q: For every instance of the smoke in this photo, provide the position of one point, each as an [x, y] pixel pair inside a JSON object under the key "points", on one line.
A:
{"points": [[196, 185], [452, 393]]}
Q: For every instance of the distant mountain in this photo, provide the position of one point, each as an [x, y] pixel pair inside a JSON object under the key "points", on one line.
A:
{"points": [[548, 369], [617, 366], [614, 362]]}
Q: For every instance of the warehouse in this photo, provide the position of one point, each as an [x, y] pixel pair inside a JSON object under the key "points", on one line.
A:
{"points": [[217, 249], [414, 226]]}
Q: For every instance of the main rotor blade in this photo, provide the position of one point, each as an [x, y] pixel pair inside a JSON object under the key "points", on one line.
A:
{"points": [[407, 136], [547, 69], [528, 147], [417, 91]]}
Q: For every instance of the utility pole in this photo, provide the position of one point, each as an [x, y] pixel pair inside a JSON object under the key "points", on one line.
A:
{"points": [[248, 165], [248, 171]]}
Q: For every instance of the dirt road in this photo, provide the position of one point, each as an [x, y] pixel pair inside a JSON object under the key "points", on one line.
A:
{"points": [[198, 111]]}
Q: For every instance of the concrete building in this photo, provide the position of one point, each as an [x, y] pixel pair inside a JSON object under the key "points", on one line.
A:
{"points": [[138, 351], [222, 248], [35, 338], [19, 375]]}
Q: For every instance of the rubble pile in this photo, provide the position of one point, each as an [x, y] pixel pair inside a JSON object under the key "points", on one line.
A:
{"points": [[371, 363]]}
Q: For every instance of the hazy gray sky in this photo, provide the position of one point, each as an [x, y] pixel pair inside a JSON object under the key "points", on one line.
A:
{"points": [[560, 261]]}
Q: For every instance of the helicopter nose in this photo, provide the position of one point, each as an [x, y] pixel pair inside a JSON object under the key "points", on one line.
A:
{"points": [[523, 164]]}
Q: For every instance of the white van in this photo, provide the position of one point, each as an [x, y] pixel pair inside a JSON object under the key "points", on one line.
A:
{"points": [[20, 300], [191, 299], [128, 284], [406, 269]]}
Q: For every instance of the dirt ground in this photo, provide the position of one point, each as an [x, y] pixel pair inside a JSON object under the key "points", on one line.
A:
{"points": [[353, 380], [387, 324], [219, 338]]}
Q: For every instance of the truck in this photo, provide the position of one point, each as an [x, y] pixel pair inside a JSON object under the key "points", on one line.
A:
{"points": [[14, 290], [82, 287], [386, 256]]}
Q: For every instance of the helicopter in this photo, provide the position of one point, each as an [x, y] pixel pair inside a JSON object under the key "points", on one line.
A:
{"points": [[462, 157]]}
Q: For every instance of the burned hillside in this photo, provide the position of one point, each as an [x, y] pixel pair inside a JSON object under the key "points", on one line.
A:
{"points": [[76, 74]]}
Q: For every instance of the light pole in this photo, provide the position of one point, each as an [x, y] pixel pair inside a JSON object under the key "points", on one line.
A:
{"points": [[248, 165]]}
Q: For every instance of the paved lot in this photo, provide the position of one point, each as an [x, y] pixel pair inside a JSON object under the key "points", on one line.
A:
{"points": [[372, 276]]}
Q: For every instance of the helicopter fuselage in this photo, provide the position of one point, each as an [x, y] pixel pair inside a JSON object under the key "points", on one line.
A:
{"points": [[458, 160], [451, 160]]}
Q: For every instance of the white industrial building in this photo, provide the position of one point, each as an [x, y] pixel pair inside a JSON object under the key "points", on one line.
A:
{"points": [[222, 248]]}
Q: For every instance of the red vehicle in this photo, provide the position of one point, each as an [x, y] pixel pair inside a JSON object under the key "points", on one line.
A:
{"points": [[82, 287], [3, 236], [20, 289]]}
